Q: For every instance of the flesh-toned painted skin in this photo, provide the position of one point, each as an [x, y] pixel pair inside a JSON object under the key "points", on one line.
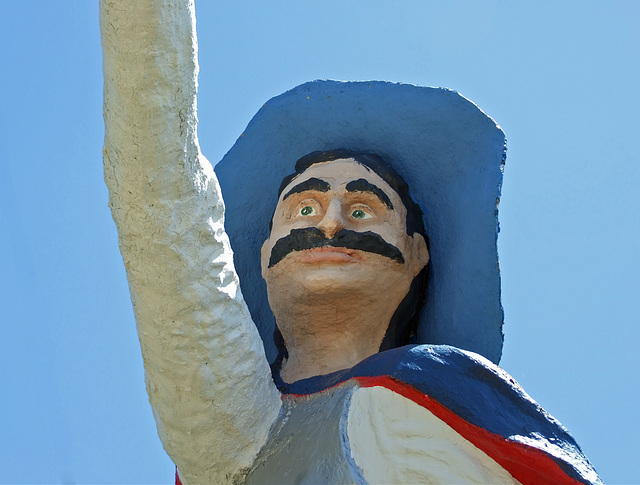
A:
{"points": [[337, 204], [326, 293]]}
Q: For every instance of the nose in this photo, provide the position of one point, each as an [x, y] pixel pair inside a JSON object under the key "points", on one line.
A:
{"points": [[332, 221]]}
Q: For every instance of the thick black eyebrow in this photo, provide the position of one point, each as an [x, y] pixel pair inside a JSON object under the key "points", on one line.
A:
{"points": [[362, 185], [313, 183]]}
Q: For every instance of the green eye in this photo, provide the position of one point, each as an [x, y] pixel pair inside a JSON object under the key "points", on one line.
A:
{"points": [[358, 214], [306, 210]]}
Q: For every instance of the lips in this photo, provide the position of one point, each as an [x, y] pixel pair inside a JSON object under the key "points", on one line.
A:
{"points": [[329, 254]]}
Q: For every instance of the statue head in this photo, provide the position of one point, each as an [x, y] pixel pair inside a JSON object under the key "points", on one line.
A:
{"points": [[448, 150], [346, 236]]}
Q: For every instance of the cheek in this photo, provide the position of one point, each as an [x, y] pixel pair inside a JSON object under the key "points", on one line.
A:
{"points": [[284, 223], [265, 251], [279, 277], [394, 232]]}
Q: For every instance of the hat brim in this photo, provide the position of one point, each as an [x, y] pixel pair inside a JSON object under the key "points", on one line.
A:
{"points": [[450, 153]]}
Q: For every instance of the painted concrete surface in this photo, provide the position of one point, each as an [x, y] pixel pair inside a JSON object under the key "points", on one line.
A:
{"points": [[308, 443], [350, 434], [386, 428], [326, 269], [207, 376], [412, 394]]}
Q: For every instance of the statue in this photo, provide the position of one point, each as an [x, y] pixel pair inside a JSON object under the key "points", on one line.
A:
{"points": [[354, 395]]}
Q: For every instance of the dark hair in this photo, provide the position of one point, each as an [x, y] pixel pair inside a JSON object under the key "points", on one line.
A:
{"points": [[402, 329]]}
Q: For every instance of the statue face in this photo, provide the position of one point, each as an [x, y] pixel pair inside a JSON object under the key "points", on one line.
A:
{"points": [[339, 228]]}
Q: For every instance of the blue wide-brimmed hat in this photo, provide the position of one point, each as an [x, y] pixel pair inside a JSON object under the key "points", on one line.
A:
{"points": [[450, 153]]}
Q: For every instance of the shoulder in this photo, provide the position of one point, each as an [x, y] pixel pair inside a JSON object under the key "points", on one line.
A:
{"points": [[484, 405], [476, 398], [410, 363], [396, 439], [464, 382]]}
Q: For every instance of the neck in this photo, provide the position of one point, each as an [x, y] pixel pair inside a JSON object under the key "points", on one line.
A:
{"points": [[330, 336]]}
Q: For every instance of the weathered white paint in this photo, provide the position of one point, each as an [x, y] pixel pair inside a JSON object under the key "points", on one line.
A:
{"points": [[395, 440], [207, 376]]}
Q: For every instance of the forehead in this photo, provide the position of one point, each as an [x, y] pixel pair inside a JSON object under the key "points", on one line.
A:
{"points": [[338, 173]]}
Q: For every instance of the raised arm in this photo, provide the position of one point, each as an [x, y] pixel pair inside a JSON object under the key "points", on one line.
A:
{"points": [[207, 376]]}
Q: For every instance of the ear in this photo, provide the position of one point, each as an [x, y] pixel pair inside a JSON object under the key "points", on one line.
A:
{"points": [[419, 252]]}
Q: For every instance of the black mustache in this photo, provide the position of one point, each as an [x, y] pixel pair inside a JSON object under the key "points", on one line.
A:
{"points": [[312, 237]]}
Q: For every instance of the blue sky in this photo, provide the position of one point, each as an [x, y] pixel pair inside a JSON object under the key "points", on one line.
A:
{"points": [[561, 78]]}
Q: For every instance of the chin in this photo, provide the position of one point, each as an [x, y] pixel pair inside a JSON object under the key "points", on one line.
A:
{"points": [[330, 280]]}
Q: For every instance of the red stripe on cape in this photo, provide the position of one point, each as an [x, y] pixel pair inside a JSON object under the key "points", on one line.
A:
{"points": [[528, 465]]}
